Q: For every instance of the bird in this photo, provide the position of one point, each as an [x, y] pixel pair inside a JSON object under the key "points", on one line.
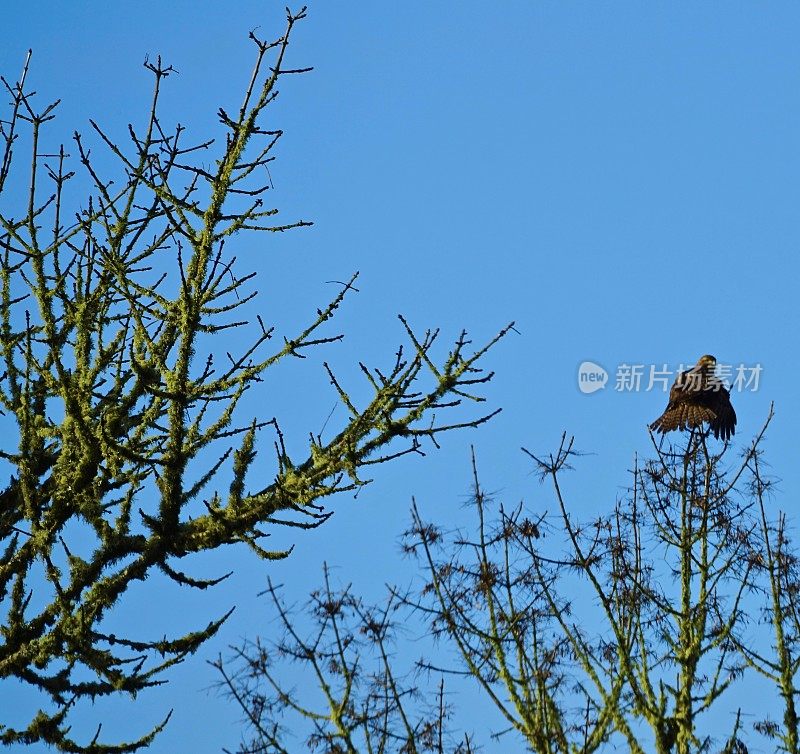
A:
{"points": [[696, 397]]}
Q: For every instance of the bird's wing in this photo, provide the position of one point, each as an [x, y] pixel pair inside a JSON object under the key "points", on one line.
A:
{"points": [[723, 425], [683, 414], [683, 410]]}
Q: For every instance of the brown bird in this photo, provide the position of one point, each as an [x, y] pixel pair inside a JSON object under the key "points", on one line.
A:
{"points": [[698, 396]]}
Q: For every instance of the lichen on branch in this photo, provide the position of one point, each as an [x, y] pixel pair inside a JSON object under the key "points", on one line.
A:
{"points": [[111, 412]]}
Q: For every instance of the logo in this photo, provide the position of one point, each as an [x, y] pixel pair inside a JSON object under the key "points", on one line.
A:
{"points": [[636, 378], [591, 377]]}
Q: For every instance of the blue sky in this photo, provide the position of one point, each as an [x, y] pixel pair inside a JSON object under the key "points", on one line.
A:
{"points": [[619, 179]]}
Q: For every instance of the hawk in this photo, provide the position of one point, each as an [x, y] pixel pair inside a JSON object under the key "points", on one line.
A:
{"points": [[698, 396]]}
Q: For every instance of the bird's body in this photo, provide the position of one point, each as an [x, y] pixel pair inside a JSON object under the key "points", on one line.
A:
{"points": [[696, 397]]}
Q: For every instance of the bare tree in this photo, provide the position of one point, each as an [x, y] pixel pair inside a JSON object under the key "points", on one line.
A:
{"points": [[624, 630], [669, 568], [121, 400], [776, 564], [364, 702], [627, 635]]}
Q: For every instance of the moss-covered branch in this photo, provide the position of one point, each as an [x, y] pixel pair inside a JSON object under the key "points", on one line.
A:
{"points": [[123, 406]]}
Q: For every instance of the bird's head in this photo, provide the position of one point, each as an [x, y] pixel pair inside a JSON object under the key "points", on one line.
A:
{"points": [[707, 362]]}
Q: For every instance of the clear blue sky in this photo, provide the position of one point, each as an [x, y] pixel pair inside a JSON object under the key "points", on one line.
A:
{"points": [[619, 179]]}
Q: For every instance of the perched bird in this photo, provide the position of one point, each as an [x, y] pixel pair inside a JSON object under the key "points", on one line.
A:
{"points": [[698, 396]]}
